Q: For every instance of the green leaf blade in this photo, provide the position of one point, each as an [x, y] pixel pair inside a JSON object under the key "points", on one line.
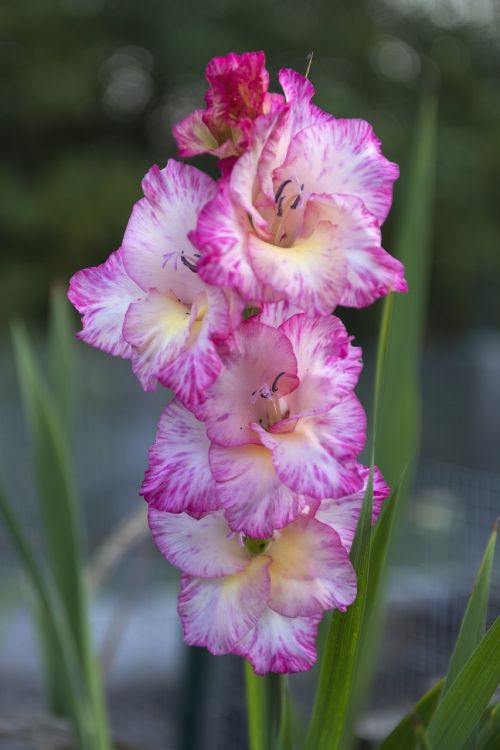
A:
{"points": [[55, 483], [399, 403], [469, 694], [404, 735], [59, 510], [57, 624], [328, 725], [474, 620]]}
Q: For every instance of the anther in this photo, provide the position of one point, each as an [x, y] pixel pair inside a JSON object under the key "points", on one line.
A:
{"points": [[274, 386], [280, 190], [188, 263]]}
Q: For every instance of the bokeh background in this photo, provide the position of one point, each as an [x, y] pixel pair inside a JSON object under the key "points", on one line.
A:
{"points": [[89, 92]]}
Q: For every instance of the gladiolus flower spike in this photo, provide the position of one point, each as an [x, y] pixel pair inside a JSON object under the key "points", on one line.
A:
{"points": [[223, 292]]}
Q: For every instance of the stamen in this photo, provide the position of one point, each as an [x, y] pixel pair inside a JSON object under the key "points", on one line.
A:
{"points": [[274, 386], [296, 201], [263, 392], [280, 190], [189, 264]]}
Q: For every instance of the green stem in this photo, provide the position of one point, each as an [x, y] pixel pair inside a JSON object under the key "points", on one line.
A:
{"points": [[264, 712]]}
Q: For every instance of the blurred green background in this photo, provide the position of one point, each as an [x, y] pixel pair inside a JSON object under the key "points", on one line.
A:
{"points": [[91, 88]]}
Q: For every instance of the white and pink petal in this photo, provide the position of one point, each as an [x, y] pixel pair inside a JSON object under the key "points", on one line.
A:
{"points": [[102, 294], [261, 356], [156, 239], [178, 477], [311, 571], [204, 547], [371, 273], [158, 329], [280, 644], [318, 457], [193, 136], [222, 237], [219, 612], [342, 157], [310, 274], [255, 500], [328, 364]]}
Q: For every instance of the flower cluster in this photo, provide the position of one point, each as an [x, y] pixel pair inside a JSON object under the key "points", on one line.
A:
{"points": [[223, 291]]}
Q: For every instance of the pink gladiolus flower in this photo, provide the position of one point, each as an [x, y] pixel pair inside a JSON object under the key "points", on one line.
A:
{"points": [[253, 484], [259, 598], [147, 303], [279, 426], [299, 216], [236, 97]]}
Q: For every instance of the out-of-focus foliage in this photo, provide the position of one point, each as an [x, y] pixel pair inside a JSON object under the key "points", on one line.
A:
{"points": [[91, 88]]}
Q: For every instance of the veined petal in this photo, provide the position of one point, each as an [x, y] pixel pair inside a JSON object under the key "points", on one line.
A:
{"points": [[219, 612], [197, 365], [158, 329], [371, 273], [280, 644], [342, 514], [179, 477], [244, 182], [222, 236], [318, 458], [295, 86], [299, 114], [276, 313], [193, 136], [102, 294], [262, 355], [310, 274], [311, 570], [299, 91], [328, 364], [256, 502], [157, 233], [203, 547], [192, 372], [342, 157]]}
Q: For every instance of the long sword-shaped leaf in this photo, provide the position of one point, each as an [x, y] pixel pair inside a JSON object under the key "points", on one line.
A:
{"points": [[397, 417], [474, 620], [469, 694], [489, 735], [398, 430], [55, 616], [403, 736], [59, 512], [55, 482], [339, 658]]}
